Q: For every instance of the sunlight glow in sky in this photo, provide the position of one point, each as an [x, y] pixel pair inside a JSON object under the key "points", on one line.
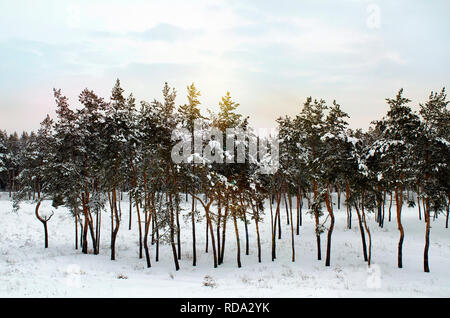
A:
{"points": [[270, 55]]}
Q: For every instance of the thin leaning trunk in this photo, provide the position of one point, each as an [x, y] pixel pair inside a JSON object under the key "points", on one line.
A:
{"points": [[276, 220], [367, 229], [147, 228], [446, 219], [361, 229]]}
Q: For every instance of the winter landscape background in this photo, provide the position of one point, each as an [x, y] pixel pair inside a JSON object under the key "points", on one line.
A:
{"points": [[29, 270]]}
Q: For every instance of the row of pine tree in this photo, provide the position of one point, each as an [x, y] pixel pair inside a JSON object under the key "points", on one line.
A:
{"points": [[86, 158]]}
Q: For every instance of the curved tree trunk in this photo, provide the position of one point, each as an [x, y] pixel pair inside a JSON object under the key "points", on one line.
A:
{"points": [[398, 202], [361, 229], [330, 230], [276, 220]]}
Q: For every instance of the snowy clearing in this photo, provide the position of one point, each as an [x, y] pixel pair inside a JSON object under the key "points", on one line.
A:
{"points": [[29, 270]]}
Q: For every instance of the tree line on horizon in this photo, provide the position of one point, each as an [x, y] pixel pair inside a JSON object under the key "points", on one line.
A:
{"points": [[85, 159]]}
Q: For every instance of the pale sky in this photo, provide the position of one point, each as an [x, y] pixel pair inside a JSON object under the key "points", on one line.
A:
{"points": [[269, 54]]}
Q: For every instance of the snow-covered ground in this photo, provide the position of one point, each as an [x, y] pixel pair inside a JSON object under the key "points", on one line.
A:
{"points": [[29, 270]]}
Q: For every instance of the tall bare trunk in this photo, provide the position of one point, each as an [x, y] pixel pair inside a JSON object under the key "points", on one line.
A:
{"points": [[367, 228], [114, 217], [316, 218], [194, 247], [330, 230], [131, 211], [276, 220], [426, 266], [76, 227], [292, 226], [398, 202], [172, 234], [222, 251], [361, 229], [238, 253]]}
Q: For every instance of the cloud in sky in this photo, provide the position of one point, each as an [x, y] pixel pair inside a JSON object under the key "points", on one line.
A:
{"points": [[270, 55]]}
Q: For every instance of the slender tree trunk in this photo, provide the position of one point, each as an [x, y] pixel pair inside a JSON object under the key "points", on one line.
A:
{"points": [[213, 243], [398, 202], [279, 221], [219, 216], [292, 226], [222, 251], [383, 208], [146, 249], [390, 205], [178, 230], [137, 209], [330, 230], [258, 240], [131, 211], [367, 228], [361, 229], [194, 248], [427, 236], [115, 229], [286, 208], [155, 217], [238, 254], [247, 247], [76, 227], [446, 219], [172, 234], [276, 220], [316, 217], [139, 227], [299, 209], [418, 201], [206, 237], [99, 223], [348, 206]]}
